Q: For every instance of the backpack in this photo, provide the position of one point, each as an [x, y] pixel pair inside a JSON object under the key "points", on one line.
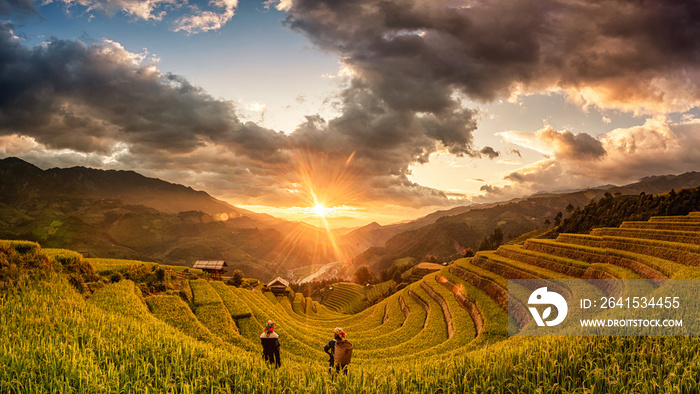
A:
{"points": [[342, 353]]}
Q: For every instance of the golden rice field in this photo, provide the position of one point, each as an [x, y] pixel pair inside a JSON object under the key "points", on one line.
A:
{"points": [[446, 333]]}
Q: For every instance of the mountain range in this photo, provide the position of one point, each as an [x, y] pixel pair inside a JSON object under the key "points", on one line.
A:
{"points": [[122, 214], [445, 234]]}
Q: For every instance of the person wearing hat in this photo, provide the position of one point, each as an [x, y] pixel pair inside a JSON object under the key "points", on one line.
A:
{"points": [[339, 351], [271, 344]]}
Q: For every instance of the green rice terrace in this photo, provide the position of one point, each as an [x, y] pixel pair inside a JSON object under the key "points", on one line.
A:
{"points": [[96, 325]]}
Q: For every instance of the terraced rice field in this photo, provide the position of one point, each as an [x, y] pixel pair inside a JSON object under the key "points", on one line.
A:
{"points": [[463, 306], [106, 266], [444, 333], [347, 297]]}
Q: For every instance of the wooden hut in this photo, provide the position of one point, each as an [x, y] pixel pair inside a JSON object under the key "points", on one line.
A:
{"points": [[278, 286], [214, 267]]}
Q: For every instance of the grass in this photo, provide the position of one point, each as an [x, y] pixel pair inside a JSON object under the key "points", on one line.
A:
{"points": [[234, 304], [513, 269], [124, 298], [647, 266], [379, 290], [664, 225], [87, 349], [567, 266], [347, 297], [20, 246], [109, 266], [53, 339], [210, 310], [173, 311], [675, 252], [660, 235], [62, 255], [689, 218]]}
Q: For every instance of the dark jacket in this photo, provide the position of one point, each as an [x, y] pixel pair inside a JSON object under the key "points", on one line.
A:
{"points": [[270, 343], [330, 349], [271, 348]]}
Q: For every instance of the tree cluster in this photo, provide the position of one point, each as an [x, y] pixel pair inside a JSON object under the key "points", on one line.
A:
{"points": [[394, 272], [314, 288], [236, 279], [493, 240], [611, 211], [363, 275]]}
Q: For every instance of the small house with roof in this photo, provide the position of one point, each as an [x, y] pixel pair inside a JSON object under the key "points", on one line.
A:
{"points": [[215, 268], [278, 286]]}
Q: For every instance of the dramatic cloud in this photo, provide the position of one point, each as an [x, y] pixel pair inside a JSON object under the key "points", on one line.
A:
{"points": [[138, 9], [410, 62], [70, 95], [658, 147], [193, 20], [489, 152], [69, 101], [201, 21], [8, 7], [638, 56], [563, 144], [412, 70]]}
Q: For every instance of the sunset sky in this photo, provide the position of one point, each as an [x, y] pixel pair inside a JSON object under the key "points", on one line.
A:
{"points": [[356, 110]]}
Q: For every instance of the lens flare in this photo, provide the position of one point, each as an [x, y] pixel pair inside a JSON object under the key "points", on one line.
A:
{"points": [[326, 186], [321, 211]]}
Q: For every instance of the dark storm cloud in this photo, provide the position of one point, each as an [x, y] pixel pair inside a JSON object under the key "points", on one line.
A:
{"points": [[67, 94], [8, 7], [489, 152], [412, 54], [515, 177], [413, 60], [103, 101], [490, 189]]}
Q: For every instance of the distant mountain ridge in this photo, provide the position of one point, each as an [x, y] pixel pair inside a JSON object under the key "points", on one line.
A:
{"points": [[444, 234], [123, 214], [128, 186]]}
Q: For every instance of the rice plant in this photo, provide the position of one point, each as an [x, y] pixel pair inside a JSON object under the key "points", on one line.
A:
{"points": [[203, 336]]}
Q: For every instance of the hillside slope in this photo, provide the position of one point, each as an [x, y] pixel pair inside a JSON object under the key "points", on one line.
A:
{"points": [[444, 333], [122, 214], [454, 230]]}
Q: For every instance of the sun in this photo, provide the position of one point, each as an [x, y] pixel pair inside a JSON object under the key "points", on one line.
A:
{"points": [[321, 211]]}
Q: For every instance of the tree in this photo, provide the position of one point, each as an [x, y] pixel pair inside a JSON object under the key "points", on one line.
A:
{"points": [[493, 241], [160, 274], [557, 219], [468, 252], [236, 279], [570, 208], [363, 275], [397, 277], [384, 275]]}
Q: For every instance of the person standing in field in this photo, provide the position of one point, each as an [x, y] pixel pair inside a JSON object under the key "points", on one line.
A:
{"points": [[339, 351], [271, 344], [329, 348]]}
